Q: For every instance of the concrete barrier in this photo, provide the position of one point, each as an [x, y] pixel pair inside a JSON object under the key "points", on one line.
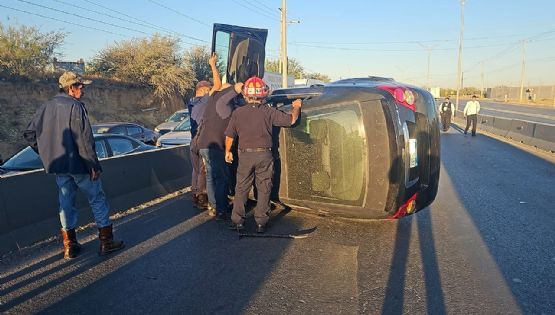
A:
{"points": [[542, 136], [29, 201], [522, 131]]}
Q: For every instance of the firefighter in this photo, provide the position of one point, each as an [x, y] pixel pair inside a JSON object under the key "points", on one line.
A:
{"points": [[252, 125]]}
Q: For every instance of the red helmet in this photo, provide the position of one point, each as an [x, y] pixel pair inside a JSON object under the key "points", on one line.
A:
{"points": [[255, 87]]}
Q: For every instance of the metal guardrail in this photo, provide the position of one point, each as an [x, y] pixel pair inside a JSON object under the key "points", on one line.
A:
{"points": [[29, 201]]}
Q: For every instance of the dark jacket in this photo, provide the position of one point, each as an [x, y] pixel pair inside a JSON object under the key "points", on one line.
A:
{"points": [[61, 134]]}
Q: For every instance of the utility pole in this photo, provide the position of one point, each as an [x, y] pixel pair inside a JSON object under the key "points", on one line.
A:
{"points": [[429, 50], [482, 75], [459, 72], [283, 44], [522, 69]]}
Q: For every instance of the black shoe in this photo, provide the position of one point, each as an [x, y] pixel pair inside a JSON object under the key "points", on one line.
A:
{"points": [[237, 226], [474, 135], [260, 228], [465, 132], [222, 216]]}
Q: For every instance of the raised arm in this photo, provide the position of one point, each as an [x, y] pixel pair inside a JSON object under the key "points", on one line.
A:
{"points": [[215, 74]]}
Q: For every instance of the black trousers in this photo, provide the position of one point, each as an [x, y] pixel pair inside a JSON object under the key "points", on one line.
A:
{"points": [[446, 120], [471, 119], [257, 166]]}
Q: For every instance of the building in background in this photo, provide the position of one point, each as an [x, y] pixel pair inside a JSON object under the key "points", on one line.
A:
{"points": [[74, 66]]}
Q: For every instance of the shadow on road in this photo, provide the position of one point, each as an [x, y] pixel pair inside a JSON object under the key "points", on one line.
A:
{"points": [[176, 260]]}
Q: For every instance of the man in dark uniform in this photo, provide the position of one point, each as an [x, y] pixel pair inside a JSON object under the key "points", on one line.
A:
{"points": [[447, 111], [253, 125]]}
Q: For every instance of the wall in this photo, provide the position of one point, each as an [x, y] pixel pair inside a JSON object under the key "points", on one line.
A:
{"points": [[29, 201]]}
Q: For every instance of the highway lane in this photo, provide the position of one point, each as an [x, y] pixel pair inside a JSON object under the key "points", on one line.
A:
{"points": [[485, 246], [543, 114]]}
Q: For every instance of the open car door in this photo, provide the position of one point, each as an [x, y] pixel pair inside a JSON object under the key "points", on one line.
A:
{"points": [[241, 52]]}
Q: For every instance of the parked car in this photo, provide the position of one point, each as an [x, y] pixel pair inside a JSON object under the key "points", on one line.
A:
{"points": [[363, 148], [129, 129], [174, 120], [181, 134], [106, 145]]}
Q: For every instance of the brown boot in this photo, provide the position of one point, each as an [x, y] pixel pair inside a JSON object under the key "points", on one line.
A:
{"points": [[202, 201], [107, 243], [71, 246]]}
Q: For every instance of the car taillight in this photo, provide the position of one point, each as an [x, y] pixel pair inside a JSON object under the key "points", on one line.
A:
{"points": [[407, 208], [402, 96]]}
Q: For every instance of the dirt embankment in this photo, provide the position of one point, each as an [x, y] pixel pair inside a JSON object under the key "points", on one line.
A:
{"points": [[106, 102]]}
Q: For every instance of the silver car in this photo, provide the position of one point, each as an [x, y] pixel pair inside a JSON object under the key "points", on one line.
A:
{"points": [[172, 122], [181, 134]]}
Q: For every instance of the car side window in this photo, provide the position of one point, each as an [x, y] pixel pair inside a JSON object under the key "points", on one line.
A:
{"points": [[132, 130], [100, 149], [118, 130], [120, 146]]}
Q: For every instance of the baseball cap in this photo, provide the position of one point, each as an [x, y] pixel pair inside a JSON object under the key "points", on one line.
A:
{"points": [[202, 84], [69, 78]]}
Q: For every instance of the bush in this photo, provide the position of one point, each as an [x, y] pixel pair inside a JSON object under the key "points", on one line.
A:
{"points": [[26, 52], [149, 61]]}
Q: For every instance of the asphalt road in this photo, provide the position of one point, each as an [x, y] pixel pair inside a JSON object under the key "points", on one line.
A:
{"points": [[485, 246], [539, 114]]}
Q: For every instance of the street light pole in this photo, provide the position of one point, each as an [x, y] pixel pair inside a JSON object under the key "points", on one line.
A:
{"points": [[429, 50], [283, 44], [459, 72], [522, 69]]}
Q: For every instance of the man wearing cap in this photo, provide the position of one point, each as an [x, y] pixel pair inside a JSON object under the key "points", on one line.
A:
{"points": [[196, 106], [61, 134], [253, 125], [447, 110]]}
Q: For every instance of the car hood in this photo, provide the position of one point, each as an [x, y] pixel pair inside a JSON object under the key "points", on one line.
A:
{"points": [[167, 125]]}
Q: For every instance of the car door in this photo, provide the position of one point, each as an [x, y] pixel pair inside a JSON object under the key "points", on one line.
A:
{"points": [[241, 51]]}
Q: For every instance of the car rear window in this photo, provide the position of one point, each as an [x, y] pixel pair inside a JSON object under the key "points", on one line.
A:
{"points": [[120, 146], [326, 156]]}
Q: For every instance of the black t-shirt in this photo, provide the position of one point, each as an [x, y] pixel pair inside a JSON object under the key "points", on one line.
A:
{"points": [[215, 119], [253, 124]]}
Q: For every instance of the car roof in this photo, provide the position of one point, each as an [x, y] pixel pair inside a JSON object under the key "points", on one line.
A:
{"points": [[113, 124]]}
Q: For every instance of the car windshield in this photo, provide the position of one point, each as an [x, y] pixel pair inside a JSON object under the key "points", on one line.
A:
{"points": [[25, 159], [183, 126], [178, 116]]}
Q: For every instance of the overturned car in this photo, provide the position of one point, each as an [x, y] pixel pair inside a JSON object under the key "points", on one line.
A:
{"points": [[363, 148]]}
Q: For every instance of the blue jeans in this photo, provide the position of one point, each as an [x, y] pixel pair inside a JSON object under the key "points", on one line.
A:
{"points": [[67, 189], [216, 178]]}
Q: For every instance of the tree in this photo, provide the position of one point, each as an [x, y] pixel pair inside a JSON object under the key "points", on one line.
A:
{"points": [[294, 68], [317, 76], [150, 61], [25, 51], [197, 59]]}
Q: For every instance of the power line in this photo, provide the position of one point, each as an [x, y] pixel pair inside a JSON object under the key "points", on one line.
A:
{"points": [[124, 14], [63, 21], [83, 17], [263, 4], [108, 15], [390, 50], [180, 13], [262, 9], [256, 11], [142, 22]]}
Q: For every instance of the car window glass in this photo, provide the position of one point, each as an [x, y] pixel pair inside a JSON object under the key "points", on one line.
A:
{"points": [[178, 116], [222, 50], [26, 159], [120, 146], [132, 130], [119, 130], [184, 126], [326, 156], [100, 149]]}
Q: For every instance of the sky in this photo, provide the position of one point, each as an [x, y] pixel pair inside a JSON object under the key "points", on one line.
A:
{"points": [[342, 39]]}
